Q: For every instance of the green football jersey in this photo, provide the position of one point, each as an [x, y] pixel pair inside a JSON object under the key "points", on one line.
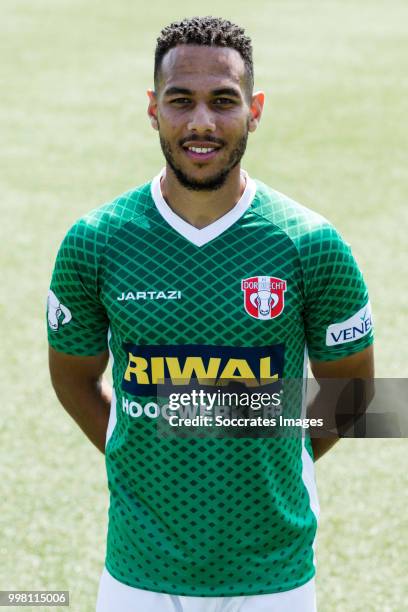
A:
{"points": [[247, 297]]}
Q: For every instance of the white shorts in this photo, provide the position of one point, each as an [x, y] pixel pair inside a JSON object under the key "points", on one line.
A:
{"points": [[114, 596]]}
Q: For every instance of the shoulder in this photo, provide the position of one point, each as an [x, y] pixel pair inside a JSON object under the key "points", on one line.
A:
{"points": [[107, 218], [308, 230], [95, 228]]}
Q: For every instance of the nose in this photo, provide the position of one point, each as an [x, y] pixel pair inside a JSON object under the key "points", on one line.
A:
{"points": [[201, 119]]}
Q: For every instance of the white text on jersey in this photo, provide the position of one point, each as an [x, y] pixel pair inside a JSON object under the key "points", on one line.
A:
{"points": [[149, 295]]}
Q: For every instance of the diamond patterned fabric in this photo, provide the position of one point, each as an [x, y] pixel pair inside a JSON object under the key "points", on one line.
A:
{"points": [[219, 516]]}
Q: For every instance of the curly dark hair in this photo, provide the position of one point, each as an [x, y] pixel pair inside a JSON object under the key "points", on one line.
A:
{"points": [[207, 31]]}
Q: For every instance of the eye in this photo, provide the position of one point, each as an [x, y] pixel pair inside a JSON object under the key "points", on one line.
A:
{"points": [[180, 101], [223, 101]]}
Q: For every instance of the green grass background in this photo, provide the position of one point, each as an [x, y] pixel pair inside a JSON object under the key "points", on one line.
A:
{"points": [[75, 133]]}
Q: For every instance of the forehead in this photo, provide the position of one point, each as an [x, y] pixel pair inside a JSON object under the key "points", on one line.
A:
{"points": [[195, 65]]}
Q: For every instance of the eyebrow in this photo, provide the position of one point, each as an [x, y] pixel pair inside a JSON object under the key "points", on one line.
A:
{"points": [[173, 91], [222, 91], [226, 91]]}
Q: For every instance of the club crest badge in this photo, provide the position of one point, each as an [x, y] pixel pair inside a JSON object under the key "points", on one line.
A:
{"points": [[263, 296]]}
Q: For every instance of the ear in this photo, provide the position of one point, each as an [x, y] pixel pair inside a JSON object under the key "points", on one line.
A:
{"points": [[152, 108], [255, 110]]}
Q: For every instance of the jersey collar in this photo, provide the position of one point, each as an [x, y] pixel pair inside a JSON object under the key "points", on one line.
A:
{"points": [[200, 237]]}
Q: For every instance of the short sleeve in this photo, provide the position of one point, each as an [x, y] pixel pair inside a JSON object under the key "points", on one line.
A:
{"points": [[337, 317], [76, 319]]}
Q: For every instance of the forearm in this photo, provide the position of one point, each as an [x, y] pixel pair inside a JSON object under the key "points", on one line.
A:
{"points": [[323, 407], [346, 388], [339, 403], [89, 405]]}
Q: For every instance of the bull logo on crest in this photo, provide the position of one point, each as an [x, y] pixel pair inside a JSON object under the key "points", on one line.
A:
{"points": [[263, 296]]}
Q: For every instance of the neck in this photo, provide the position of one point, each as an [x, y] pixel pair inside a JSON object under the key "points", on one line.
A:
{"points": [[201, 208]]}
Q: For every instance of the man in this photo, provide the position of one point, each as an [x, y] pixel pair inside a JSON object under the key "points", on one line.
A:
{"points": [[203, 273]]}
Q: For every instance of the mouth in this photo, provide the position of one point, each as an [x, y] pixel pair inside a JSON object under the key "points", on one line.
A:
{"points": [[201, 151]]}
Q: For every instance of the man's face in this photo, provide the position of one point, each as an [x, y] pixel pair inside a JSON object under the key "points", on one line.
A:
{"points": [[203, 113]]}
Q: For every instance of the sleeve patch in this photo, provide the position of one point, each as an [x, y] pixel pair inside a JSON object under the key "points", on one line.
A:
{"points": [[354, 328], [57, 313]]}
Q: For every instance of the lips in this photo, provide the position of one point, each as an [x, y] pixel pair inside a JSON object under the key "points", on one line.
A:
{"points": [[201, 150]]}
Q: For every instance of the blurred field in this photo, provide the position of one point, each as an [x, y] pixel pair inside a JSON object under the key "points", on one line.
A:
{"points": [[75, 134]]}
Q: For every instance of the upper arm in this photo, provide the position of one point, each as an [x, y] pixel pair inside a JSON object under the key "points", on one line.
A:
{"points": [[338, 323], [358, 365], [73, 369], [76, 317], [346, 388], [337, 313]]}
